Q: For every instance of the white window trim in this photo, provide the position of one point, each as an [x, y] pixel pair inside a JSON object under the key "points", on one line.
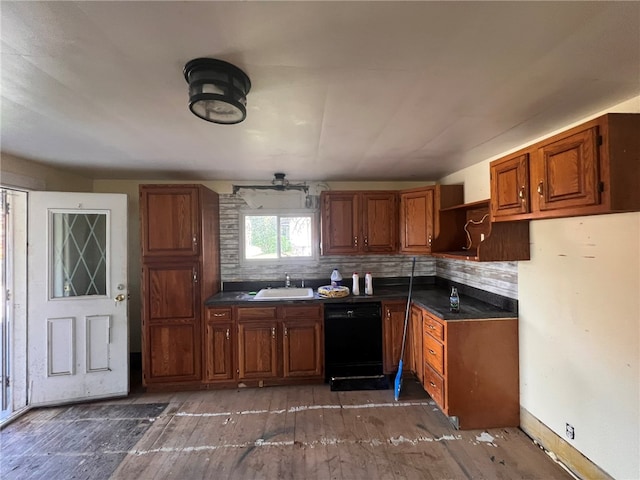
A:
{"points": [[315, 236]]}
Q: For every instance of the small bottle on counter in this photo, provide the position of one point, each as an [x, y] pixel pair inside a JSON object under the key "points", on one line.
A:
{"points": [[368, 284], [355, 289], [454, 300], [336, 278]]}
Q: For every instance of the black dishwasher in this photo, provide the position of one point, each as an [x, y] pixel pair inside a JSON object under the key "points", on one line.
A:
{"points": [[353, 346]]}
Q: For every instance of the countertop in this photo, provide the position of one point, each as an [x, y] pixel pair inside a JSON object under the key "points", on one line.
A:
{"points": [[433, 298]]}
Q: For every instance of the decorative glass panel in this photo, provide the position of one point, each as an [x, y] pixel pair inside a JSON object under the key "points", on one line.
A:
{"points": [[79, 259]]}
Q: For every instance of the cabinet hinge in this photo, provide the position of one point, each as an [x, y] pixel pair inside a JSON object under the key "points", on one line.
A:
{"points": [[599, 140], [601, 187], [7, 381]]}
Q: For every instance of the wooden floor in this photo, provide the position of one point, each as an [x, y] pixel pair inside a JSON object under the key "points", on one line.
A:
{"points": [[309, 432]]}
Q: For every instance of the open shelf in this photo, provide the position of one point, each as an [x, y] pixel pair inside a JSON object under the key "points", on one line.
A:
{"points": [[467, 233]]}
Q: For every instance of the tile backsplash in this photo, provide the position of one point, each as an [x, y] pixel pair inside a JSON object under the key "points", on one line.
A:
{"points": [[496, 277]]}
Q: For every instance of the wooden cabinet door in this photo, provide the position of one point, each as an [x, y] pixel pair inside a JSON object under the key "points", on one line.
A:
{"points": [[171, 291], [169, 221], [173, 353], [257, 350], [171, 326], [218, 346], [510, 186], [416, 221], [379, 222], [416, 342], [392, 331], [302, 348], [340, 223], [567, 172]]}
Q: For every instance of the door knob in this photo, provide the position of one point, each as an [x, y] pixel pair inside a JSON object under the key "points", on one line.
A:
{"points": [[119, 298]]}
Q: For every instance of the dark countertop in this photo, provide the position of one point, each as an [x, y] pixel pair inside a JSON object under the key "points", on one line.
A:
{"points": [[434, 298]]}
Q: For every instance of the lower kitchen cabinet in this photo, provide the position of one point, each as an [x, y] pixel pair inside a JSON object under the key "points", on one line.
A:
{"points": [[471, 370], [257, 342], [416, 336], [219, 339], [280, 342], [171, 323], [172, 353], [393, 313], [302, 341]]}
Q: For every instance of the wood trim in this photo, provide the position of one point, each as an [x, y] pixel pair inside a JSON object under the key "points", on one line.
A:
{"points": [[566, 453]]}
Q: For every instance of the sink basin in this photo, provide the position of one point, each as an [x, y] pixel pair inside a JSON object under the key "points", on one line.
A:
{"points": [[284, 294]]}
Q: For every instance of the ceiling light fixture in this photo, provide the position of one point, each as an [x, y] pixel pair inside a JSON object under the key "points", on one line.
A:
{"points": [[217, 90], [278, 183]]}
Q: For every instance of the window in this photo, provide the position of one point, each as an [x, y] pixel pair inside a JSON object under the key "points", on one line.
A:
{"points": [[278, 236]]}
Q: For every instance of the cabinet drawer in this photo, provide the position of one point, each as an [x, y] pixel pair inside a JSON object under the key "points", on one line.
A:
{"points": [[434, 353], [304, 311], [434, 385], [433, 327], [218, 314], [257, 313]]}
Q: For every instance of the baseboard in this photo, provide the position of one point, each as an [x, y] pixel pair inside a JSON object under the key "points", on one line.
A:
{"points": [[563, 451]]}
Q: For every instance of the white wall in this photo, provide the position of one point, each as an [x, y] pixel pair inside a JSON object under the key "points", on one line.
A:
{"points": [[579, 301]]}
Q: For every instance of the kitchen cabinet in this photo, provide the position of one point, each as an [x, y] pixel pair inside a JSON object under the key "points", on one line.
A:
{"points": [[302, 341], [281, 342], [416, 338], [419, 215], [180, 268], [471, 370], [591, 169], [467, 233], [359, 222], [219, 341], [393, 315], [171, 322]]}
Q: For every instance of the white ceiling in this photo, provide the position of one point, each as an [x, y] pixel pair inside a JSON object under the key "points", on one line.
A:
{"points": [[340, 90]]}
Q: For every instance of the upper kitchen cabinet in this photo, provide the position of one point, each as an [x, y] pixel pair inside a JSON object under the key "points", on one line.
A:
{"points": [[170, 218], [180, 268], [419, 215], [467, 233], [359, 222], [590, 169]]}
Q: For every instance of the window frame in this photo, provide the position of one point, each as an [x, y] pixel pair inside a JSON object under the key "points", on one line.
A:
{"points": [[279, 213]]}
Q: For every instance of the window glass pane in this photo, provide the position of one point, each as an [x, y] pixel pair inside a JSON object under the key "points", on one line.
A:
{"points": [[295, 237], [79, 254], [260, 236]]}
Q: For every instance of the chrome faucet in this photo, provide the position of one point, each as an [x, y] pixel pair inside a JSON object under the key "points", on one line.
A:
{"points": [[287, 280]]}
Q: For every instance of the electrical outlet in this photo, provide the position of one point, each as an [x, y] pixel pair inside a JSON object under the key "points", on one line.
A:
{"points": [[570, 432]]}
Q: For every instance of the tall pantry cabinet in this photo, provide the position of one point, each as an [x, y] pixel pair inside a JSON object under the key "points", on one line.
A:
{"points": [[179, 229]]}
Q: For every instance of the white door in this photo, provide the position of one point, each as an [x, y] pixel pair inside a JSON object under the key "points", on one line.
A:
{"points": [[78, 309]]}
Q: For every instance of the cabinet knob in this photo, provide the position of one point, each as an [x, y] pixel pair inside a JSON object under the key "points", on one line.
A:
{"points": [[431, 327], [540, 189], [228, 334], [432, 352], [286, 332], [366, 241], [195, 276], [273, 332], [432, 384], [195, 241]]}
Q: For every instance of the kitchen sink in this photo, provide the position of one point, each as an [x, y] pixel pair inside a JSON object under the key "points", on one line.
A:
{"points": [[284, 294]]}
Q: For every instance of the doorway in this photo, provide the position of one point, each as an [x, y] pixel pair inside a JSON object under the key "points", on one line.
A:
{"points": [[13, 276]]}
